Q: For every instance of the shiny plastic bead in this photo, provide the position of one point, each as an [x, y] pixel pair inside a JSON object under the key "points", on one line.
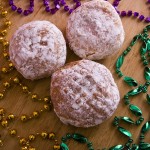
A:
{"points": [[2, 111], [11, 65], [146, 127], [147, 73], [4, 70], [3, 33], [13, 132], [35, 114], [1, 95], [117, 147], [44, 135], [16, 80], [57, 147], [11, 117], [128, 120], [130, 81], [119, 61], [31, 137], [23, 118], [51, 136], [25, 89], [34, 97], [6, 84], [124, 131], [4, 123], [8, 23], [22, 141], [135, 110], [80, 138], [4, 13]]}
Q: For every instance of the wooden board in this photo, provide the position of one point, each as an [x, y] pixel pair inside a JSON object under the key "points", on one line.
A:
{"points": [[104, 135]]}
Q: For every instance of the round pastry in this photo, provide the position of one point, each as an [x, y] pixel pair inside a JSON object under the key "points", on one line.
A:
{"points": [[37, 49], [84, 93], [94, 30]]}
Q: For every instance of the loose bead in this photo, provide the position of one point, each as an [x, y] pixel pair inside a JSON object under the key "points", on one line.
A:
{"points": [[35, 114], [31, 137], [22, 141], [11, 117], [4, 13], [34, 97], [6, 84], [23, 118], [4, 123], [51, 136], [8, 23], [25, 89], [56, 147], [16, 80]]}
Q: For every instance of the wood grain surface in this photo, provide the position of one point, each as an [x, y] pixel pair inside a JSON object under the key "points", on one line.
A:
{"points": [[103, 135]]}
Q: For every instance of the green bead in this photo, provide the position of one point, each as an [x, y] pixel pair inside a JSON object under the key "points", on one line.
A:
{"points": [[117, 70], [141, 118], [124, 131], [147, 83], [79, 138], [89, 144], [147, 27], [125, 53], [135, 110], [64, 146], [116, 118], [130, 81], [144, 146], [115, 123], [142, 136], [130, 140], [135, 147], [127, 119], [143, 51], [126, 97], [117, 147], [138, 122], [147, 73], [146, 127], [148, 98], [143, 57], [127, 101], [145, 63], [148, 53], [63, 139], [144, 89], [128, 49], [145, 30], [68, 136], [135, 91], [119, 61], [120, 74]]}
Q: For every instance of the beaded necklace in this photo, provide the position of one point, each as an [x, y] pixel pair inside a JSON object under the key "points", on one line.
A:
{"points": [[129, 13]]}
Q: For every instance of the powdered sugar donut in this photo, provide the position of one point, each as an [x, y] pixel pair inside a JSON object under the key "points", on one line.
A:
{"points": [[84, 93], [94, 30], [37, 49]]}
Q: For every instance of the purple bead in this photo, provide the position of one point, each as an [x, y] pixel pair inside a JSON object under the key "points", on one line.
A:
{"points": [[26, 12], [136, 14], [148, 1], [31, 9], [129, 13], [19, 10], [57, 6], [115, 3], [147, 20], [70, 11], [141, 17], [53, 11], [48, 9], [75, 1], [66, 8], [11, 2], [78, 4], [46, 3], [123, 13], [118, 12], [62, 2], [13, 7]]}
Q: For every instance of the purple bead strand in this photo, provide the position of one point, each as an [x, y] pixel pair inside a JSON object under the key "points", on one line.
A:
{"points": [[130, 13], [20, 10]]}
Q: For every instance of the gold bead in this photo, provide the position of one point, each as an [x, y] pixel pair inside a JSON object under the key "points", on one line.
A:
{"points": [[51, 136], [35, 114], [4, 13], [5, 43], [11, 117], [23, 118], [4, 123], [25, 89], [46, 107], [1, 39], [22, 141], [46, 99], [1, 143], [34, 97], [1, 95], [8, 23], [6, 84], [16, 80], [6, 55], [56, 147], [31, 137], [4, 70], [2, 111], [11, 65], [24, 148], [44, 135], [13, 132], [3, 33]]}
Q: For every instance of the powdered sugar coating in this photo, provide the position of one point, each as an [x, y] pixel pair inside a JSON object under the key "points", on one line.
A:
{"points": [[84, 93], [94, 30], [37, 49]]}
